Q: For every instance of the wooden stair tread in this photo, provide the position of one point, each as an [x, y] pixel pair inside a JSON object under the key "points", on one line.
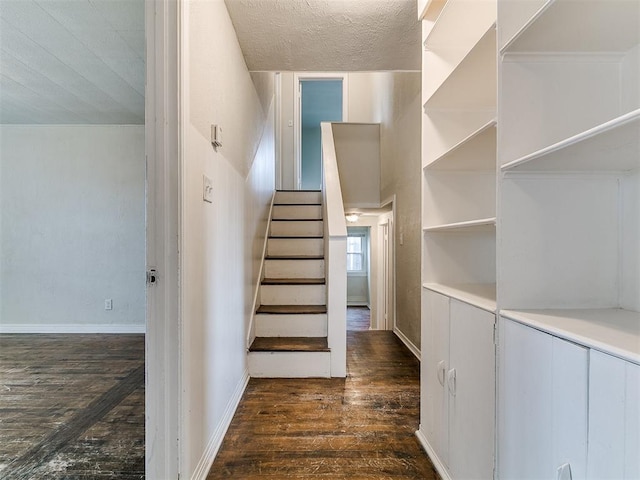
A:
{"points": [[289, 344], [313, 191], [293, 281], [292, 309], [294, 257]]}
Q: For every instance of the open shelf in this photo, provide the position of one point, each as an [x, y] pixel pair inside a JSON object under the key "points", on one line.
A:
{"points": [[448, 86], [579, 26], [475, 152], [614, 331], [481, 295], [430, 9], [460, 25], [481, 225], [611, 146]]}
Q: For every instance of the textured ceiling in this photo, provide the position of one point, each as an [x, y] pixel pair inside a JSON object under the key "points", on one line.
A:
{"points": [[72, 61], [327, 35]]}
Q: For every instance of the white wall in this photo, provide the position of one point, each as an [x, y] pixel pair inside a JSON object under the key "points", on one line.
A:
{"points": [[358, 156], [221, 241], [73, 228], [398, 110]]}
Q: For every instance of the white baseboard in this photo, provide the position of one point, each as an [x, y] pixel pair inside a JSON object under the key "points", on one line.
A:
{"points": [[442, 470], [213, 446], [71, 328], [415, 350]]}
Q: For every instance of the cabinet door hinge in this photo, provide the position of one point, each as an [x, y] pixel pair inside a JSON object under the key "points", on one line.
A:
{"points": [[495, 334]]}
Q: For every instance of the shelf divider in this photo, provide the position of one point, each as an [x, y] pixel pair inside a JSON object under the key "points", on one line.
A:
{"points": [[481, 295], [623, 130], [482, 224]]}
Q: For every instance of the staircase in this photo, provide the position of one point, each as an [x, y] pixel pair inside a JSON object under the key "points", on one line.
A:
{"points": [[291, 320]]}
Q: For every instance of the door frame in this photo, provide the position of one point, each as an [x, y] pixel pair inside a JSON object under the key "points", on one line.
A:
{"points": [[162, 151], [387, 290], [299, 77]]}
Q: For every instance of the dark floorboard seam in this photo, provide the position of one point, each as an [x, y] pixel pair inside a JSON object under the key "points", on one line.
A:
{"points": [[22, 467]]}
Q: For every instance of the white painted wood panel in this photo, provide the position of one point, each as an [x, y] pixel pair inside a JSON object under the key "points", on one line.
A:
{"points": [[542, 404], [630, 236], [471, 392], [293, 295], [306, 212], [560, 245], [476, 151], [299, 228], [580, 26], [294, 268], [614, 421], [458, 196], [614, 331], [459, 257], [289, 364], [295, 246], [461, 25], [481, 295], [297, 197], [268, 325], [434, 411], [551, 98], [479, 64], [445, 129]]}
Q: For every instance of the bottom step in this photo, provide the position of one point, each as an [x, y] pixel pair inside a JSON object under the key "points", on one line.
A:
{"points": [[289, 344], [289, 364]]}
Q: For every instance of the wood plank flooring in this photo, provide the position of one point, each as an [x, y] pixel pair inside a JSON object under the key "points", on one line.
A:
{"points": [[72, 406], [361, 427]]}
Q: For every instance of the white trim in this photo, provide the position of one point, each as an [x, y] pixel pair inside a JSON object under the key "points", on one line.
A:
{"points": [[251, 330], [408, 343], [442, 470], [72, 328], [215, 442], [278, 129], [162, 145], [297, 123]]}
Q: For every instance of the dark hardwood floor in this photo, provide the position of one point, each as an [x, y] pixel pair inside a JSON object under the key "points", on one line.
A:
{"points": [[361, 427], [71, 407]]}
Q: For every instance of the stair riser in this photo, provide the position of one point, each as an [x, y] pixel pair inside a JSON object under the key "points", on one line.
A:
{"points": [[291, 325], [297, 229], [292, 212], [289, 364], [298, 197], [295, 246], [293, 295], [294, 268]]}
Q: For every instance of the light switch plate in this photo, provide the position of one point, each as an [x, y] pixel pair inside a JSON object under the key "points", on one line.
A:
{"points": [[207, 189]]}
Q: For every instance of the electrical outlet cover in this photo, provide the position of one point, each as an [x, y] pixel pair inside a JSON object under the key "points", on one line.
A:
{"points": [[207, 189]]}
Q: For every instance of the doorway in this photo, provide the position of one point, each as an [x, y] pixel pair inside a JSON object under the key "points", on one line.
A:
{"points": [[320, 98]]}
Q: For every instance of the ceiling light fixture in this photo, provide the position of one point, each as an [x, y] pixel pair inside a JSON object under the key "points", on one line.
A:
{"points": [[352, 217]]}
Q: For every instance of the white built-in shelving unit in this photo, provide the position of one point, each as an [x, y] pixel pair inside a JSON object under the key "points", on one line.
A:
{"points": [[568, 229], [459, 141], [531, 217], [569, 152], [459, 147]]}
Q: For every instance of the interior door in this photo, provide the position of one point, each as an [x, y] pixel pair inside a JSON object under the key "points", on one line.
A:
{"points": [[320, 99]]}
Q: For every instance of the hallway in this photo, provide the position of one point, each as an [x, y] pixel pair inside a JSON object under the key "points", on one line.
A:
{"points": [[359, 427]]}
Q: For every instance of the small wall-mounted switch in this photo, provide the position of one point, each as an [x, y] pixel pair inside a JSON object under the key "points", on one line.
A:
{"points": [[207, 189], [564, 472], [108, 304], [216, 136]]}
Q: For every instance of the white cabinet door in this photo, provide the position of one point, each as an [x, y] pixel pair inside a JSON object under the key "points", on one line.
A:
{"points": [[542, 420], [435, 348], [471, 385], [614, 418]]}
